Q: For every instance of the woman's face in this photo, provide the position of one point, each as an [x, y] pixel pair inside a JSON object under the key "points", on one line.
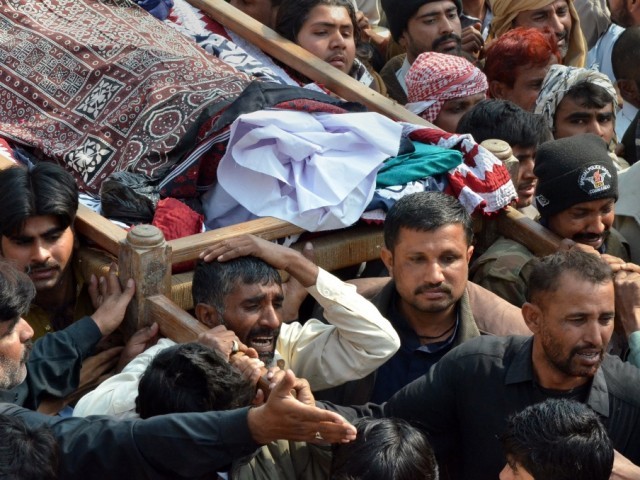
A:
{"points": [[328, 34]]}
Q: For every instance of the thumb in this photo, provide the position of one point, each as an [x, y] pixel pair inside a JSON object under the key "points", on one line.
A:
{"points": [[284, 386], [477, 26]]}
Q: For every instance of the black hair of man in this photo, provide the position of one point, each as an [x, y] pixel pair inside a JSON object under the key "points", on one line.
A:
{"points": [[388, 448], [27, 453], [625, 56], [559, 439], [191, 377], [213, 281], [425, 212], [589, 95], [39, 190], [504, 120], [16, 293], [292, 14], [546, 271]]}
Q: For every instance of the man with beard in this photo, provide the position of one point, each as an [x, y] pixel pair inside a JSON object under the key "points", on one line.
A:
{"points": [[464, 401], [237, 292], [189, 445], [575, 195], [424, 26], [428, 299], [559, 16]]}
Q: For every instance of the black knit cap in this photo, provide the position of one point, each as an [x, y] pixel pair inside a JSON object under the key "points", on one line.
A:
{"points": [[573, 170], [399, 12]]}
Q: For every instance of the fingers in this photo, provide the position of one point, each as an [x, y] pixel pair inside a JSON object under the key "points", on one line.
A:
{"points": [[229, 249]]}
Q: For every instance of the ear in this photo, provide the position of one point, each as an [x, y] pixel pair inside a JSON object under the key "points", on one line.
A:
{"points": [[402, 41], [469, 253], [497, 89], [208, 315], [386, 256], [532, 316], [629, 90]]}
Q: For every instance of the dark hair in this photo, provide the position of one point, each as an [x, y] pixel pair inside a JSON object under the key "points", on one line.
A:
{"points": [[519, 47], [504, 120], [16, 292], [43, 189], [559, 439], [27, 453], [385, 448], [589, 95], [425, 212], [292, 15], [625, 57], [213, 281], [546, 271], [191, 378]]}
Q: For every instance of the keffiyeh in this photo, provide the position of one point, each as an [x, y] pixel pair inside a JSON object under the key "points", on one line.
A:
{"points": [[559, 80], [435, 78]]}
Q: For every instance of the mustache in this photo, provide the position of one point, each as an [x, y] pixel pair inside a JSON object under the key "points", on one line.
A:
{"points": [[28, 346], [445, 38], [440, 287], [264, 332], [34, 267], [580, 349]]}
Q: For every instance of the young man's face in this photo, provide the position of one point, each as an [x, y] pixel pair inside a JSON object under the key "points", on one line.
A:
{"points": [[435, 27], [254, 313], [555, 16], [453, 110], [526, 181], [430, 269], [43, 249], [526, 86], [328, 34], [620, 13], [572, 328], [573, 117], [15, 345], [586, 222]]}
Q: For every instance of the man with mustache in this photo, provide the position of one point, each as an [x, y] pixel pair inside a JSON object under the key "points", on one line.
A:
{"points": [[424, 26], [188, 445], [464, 401], [428, 299], [575, 195], [559, 16]]}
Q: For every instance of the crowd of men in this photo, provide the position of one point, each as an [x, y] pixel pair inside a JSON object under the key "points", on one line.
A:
{"points": [[455, 363]]}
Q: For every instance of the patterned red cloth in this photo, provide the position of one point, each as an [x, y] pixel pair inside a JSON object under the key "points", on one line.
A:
{"points": [[101, 86]]}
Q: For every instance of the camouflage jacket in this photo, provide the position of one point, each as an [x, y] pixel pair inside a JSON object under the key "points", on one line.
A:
{"points": [[506, 266]]}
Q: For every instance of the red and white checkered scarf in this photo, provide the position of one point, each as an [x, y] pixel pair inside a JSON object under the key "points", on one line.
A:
{"points": [[435, 78]]}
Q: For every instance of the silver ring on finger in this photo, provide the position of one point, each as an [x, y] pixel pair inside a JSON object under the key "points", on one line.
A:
{"points": [[235, 348]]}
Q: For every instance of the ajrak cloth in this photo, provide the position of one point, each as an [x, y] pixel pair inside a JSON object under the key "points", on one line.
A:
{"points": [[102, 86], [436, 77], [316, 171], [505, 12], [559, 80]]}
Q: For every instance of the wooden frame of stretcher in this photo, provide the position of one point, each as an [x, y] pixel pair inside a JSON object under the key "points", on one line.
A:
{"points": [[143, 254]]}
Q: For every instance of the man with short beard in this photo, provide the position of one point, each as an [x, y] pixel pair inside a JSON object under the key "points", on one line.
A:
{"points": [[559, 16], [464, 401], [424, 26]]}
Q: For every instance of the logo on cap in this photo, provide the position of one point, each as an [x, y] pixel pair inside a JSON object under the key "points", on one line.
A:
{"points": [[542, 200], [595, 179]]}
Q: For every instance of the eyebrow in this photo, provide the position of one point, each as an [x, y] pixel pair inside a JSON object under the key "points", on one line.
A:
{"points": [[51, 231], [435, 13]]}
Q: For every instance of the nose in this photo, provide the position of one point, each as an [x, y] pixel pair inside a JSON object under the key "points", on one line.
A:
{"points": [[433, 274], [596, 128], [506, 473], [270, 318], [593, 334], [557, 26], [338, 41], [24, 330], [596, 225], [39, 252], [446, 26]]}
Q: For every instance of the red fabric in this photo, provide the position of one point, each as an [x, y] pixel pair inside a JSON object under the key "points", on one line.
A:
{"points": [[177, 220]]}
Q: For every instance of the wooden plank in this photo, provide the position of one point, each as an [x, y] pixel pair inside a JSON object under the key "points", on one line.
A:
{"points": [[174, 322], [304, 62], [99, 230], [516, 226]]}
